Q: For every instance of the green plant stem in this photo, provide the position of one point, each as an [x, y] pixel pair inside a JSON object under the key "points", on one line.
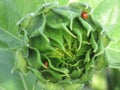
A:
{"points": [[23, 81]]}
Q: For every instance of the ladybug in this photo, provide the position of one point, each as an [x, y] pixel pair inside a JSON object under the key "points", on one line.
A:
{"points": [[46, 64], [84, 15]]}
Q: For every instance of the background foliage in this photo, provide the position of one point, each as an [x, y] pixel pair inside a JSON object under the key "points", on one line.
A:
{"points": [[107, 12]]}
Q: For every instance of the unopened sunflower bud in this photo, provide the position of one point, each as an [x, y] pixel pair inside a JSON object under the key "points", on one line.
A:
{"points": [[65, 39]]}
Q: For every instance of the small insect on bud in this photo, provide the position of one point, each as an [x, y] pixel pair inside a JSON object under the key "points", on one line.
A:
{"points": [[84, 15], [46, 64]]}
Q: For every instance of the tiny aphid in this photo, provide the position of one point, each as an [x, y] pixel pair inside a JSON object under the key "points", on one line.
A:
{"points": [[84, 15]]}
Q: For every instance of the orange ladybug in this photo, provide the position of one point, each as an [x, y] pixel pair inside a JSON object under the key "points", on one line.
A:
{"points": [[46, 64], [84, 15]]}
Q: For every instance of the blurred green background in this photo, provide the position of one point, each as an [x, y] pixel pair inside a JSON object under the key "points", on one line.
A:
{"points": [[105, 11]]}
